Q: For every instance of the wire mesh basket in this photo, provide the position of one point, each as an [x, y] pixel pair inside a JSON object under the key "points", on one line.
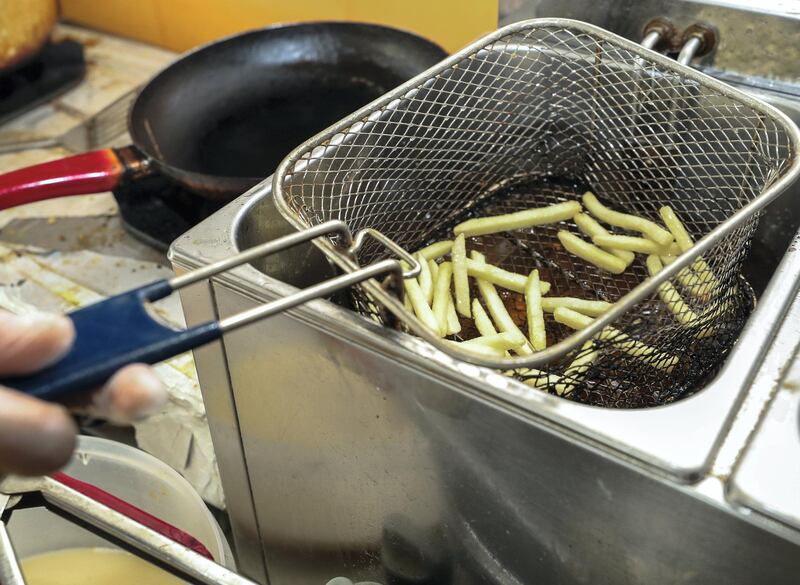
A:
{"points": [[535, 114]]}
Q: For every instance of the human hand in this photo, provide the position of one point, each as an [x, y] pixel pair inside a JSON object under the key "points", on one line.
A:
{"points": [[38, 437]]}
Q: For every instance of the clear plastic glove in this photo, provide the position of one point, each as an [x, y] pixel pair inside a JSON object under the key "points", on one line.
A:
{"points": [[37, 437]]}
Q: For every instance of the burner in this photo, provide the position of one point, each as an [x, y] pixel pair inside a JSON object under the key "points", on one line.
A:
{"points": [[55, 69], [157, 210]]}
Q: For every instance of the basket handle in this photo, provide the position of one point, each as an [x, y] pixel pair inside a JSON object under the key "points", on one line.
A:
{"points": [[119, 330]]}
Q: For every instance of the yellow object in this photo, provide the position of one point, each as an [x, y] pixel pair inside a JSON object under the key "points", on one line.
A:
{"points": [[633, 244], [500, 315], [671, 297], [436, 250], [586, 307], [418, 302], [500, 277], [577, 369], [632, 347], [626, 221], [685, 243], [591, 253], [95, 566], [590, 226], [533, 301], [24, 27], [460, 280], [502, 341], [481, 226], [442, 297], [453, 324], [182, 24], [426, 281]]}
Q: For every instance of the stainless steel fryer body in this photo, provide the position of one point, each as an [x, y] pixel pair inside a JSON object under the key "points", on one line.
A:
{"points": [[345, 447]]}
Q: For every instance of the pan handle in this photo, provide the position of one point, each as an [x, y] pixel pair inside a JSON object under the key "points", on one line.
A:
{"points": [[90, 172]]}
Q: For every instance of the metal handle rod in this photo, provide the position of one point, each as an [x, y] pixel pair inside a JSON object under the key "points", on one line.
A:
{"points": [[651, 39], [322, 289], [265, 249], [129, 531], [689, 50], [10, 573], [6, 147]]}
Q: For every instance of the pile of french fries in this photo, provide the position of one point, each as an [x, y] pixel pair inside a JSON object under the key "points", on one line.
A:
{"points": [[442, 291]]}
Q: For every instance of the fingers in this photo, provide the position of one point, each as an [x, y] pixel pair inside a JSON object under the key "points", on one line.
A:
{"points": [[31, 342], [35, 437], [133, 393]]}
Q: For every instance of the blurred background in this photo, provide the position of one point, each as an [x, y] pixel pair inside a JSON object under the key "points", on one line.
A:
{"points": [[182, 24]]}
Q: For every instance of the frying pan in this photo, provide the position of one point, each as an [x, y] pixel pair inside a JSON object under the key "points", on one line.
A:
{"points": [[223, 116]]}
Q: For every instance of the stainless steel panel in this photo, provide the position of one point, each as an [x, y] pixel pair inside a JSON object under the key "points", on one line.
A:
{"points": [[767, 478], [336, 454], [341, 450], [212, 372], [498, 481]]}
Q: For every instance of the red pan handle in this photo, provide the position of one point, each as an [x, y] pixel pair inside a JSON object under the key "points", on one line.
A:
{"points": [[90, 172], [132, 512]]}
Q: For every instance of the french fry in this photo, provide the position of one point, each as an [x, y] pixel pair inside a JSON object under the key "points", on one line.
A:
{"points": [[689, 279], [591, 227], [572, 319], [631, 243], [459, 257], [434, 268], [503, 278], [453, 324], [533, 304], [441, 296], [575, 372], [632, 347], [497, 309], [522, 219], [482, 350], [704, 327], [626, 221], [670, 296], [436, 250], [539, 379], [425, 279], [591, 253], [587, 307], [483, 323], [417, 300], [477, 256], [502, 341], [677, 229], [685, 242]]}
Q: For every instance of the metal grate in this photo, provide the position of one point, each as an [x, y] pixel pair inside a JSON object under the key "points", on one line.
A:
{"points": [[538, 113]]}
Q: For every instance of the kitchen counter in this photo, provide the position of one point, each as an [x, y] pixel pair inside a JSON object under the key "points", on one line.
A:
{"points": [[61, 254]]}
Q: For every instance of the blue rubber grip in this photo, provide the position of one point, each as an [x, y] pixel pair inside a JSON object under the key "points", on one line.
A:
{"points": [[109, 335]]}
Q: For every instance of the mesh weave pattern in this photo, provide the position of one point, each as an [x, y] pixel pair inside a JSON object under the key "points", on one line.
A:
{"points": [[532, 119]]}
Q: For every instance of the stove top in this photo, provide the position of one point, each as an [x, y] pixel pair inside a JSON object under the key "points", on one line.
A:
{"points": [[156, 210], [57, 68]]}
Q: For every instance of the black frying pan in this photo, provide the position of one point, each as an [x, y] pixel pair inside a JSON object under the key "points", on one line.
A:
{"points": [[223, 116]]}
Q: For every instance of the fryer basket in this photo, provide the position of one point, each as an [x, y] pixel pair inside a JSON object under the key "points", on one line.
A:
{"points": [[534, 114]]}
